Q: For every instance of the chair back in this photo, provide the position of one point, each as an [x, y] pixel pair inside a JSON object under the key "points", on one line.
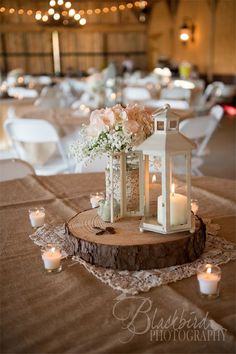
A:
{"points": [[32, 131], [202, 128], [133, 94], [14, 168], [175, 93]]}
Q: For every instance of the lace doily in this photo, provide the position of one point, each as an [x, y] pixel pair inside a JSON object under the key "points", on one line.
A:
{"points": [[217, 251]]}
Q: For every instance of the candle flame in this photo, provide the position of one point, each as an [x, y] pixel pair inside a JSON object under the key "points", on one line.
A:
{"points": [[154, 178], [53, 249], [37, 212], [173, 188], [209, 270]]}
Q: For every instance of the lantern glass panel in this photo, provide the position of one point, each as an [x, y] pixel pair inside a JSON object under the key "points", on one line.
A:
{"points": [[153, 186], [132, 184], [178, 190]]}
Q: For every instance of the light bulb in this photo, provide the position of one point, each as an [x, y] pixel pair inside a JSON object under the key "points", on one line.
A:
{"points": [[38, 16], [56, 16], [77, 17], [82, 21], [52, 3], [51, 11], [71, 12], [68, 4]]}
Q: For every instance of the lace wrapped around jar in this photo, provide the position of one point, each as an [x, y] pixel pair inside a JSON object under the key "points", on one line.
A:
{"points": [[132, 180]]}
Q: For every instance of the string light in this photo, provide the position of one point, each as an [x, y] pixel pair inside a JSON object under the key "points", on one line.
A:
{"points": [[71, 12], [56, 16], [51, 12], [68, 4], [121, 7], [77, 15], [45, 18], [38, 16], [52, 3], [82, 21]]}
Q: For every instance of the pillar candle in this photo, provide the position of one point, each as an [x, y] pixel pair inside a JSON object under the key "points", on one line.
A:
{"points": [[178, 208]]}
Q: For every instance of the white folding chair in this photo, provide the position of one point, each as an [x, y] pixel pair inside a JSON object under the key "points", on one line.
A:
{"points": [[40, 133], [200, 129], [135, 94], [14, 168], [22, 92], [175, 93], [175, 104]]}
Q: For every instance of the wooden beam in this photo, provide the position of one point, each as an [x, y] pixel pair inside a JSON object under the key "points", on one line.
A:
{"points": [[101, 28]]}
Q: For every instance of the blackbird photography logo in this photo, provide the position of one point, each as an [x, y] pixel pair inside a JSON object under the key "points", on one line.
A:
{"points": [[138, 316]]}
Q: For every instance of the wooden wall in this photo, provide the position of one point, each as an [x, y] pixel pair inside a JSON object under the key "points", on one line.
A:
{"points": [[110, 36], [214, 48]]}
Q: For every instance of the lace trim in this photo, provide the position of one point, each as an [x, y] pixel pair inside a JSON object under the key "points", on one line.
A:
{"points": [[217, 251]]}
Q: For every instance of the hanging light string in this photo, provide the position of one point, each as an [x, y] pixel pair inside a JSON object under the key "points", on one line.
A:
{"points": [[63, 9]]}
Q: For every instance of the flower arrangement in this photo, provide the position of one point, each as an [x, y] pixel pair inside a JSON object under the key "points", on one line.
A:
{"points": [[112, 130]]}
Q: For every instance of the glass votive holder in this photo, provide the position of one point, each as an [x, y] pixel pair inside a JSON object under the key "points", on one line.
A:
{"points": [[194, 206], [51, 256], [95, 198], [37, 216], [209, 276]]}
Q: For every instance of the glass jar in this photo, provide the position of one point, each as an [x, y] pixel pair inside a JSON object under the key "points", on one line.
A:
{"points": [[132, 180]]}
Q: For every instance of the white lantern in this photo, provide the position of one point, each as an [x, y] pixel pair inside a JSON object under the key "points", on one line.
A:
{"points": [[167, 176]]}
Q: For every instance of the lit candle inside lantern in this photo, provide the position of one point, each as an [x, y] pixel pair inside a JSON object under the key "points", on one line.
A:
{"points": [[37, 216], [178, 208], [208, 277], [52, 259], [95, 198], [154, 178]]}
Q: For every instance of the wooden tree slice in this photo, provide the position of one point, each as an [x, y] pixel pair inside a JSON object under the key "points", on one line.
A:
{"points": [[129, 249]]}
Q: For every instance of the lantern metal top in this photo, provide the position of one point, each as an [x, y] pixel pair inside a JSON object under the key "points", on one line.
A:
{"points": [[166, 136]]}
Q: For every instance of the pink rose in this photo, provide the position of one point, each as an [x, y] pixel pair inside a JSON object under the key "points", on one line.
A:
{"points": [[96, 125]]}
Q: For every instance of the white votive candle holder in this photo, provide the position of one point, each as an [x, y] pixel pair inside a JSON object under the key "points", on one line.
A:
{"points": [[51, 256], [209, 276], [37, 216], [95, 198]]}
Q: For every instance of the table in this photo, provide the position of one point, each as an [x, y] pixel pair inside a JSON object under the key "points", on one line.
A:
{"points": [[73, 312]]}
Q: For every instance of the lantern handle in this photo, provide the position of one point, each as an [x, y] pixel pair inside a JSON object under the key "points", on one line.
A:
{"points": [[162, 109]]}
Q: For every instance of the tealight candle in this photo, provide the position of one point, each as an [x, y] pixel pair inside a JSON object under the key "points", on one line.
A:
{"points": [[52, 259], [209, 277], [37, 216], [178, 208], [95, 198]]}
